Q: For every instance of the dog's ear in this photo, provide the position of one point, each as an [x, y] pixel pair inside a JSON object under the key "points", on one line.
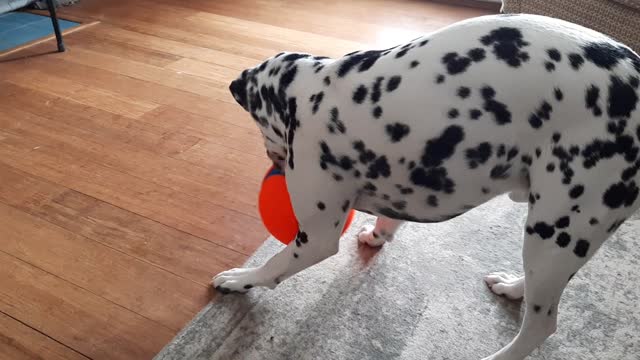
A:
{"points": [[238, 89]]}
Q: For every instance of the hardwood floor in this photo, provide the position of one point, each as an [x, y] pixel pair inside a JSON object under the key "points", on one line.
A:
{"points": [[129, 176]]}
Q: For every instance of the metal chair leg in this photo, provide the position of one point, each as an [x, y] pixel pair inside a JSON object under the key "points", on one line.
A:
{"points": [[56, 26]]}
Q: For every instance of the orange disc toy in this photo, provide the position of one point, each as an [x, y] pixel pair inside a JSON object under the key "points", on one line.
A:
{"points": [[276, 211]]}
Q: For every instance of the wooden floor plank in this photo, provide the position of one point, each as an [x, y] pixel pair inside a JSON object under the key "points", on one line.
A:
{"points": [[195, 216], [68, 135], [209, 128], [75, 317], [20, 342], [90, 40], [79, 93], [110, 126], [50, 247], [117, 228]]}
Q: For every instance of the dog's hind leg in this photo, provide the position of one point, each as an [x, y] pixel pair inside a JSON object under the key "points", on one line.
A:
{"points": [[564, 229], [382, 232]]}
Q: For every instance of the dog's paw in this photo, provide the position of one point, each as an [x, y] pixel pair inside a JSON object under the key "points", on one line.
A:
{"points": [[235, 280], [367, 236], [508, 285]]}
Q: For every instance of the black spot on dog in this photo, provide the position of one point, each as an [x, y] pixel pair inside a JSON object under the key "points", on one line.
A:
{"points": [[345, 205], [478, 155], [288, 76], [591, 100], [485, 190], [475, 114], [377, 112], [549, 66], [593, 221], [376, 93], [554, 54], [432, 200], [414, 63], [616, 127], [532, 199], [317, 100], [502, 150], [537, 308], [622, 98], [402, 52], [337, 177], [303, 237], [513, 152], [248, 286], [576, 61], [360, 94], [526, 159], [393, 83], [464, 92], [507, 45], [500, 171], [399, 205], [432, 178], [439, 79], [321, 205], [295, 56], [364, 61], [630, 172], [369, 187], [440, 148], [604, 55], [397, 131], [556, 137], [582, 248], [500, 112], [334, 118], [327, 157], [365, 155], [558, 94], [544, 230], [620, 194], [379, 167], [292, 122], [453, 113], [563, 222], [327, 80], [455, 63], [551, 167], [477, 54], [535, 121], [423, 42], [605, 149]]}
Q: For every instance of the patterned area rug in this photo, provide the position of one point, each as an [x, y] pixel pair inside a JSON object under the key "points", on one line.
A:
{"points": [[422, 297]]}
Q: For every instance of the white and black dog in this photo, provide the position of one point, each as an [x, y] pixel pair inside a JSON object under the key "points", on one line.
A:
{"points": [[532, 106]]}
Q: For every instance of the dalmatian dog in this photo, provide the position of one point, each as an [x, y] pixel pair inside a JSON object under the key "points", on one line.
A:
{"points": [[536, 107]]}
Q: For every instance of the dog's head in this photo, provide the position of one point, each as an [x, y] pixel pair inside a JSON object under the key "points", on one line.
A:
{"points": [[262, 92]]}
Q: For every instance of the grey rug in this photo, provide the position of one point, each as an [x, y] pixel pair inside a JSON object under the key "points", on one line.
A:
{"points": [[422, 297]]}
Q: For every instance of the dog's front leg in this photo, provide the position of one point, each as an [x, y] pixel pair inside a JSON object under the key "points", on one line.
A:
{"points": [[317, 239]]}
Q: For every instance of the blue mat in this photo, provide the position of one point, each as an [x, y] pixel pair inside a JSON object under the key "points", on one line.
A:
{"points": [[19, 28]]}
